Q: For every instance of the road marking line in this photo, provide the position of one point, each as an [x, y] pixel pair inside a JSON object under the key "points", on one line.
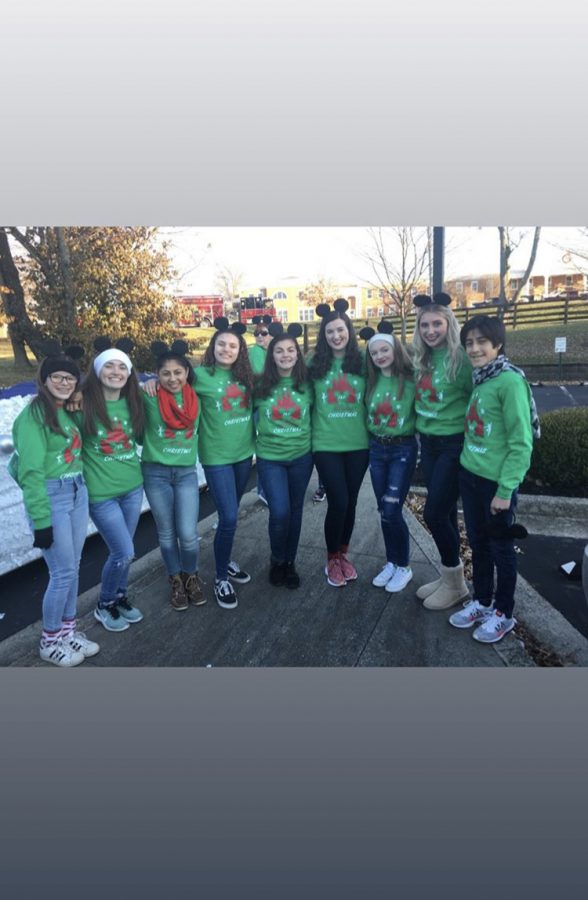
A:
{"points": [[571, 398]]}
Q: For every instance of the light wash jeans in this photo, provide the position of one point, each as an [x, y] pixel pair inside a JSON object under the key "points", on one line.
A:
{"points": [[116, 519], [69, 519], [174, 498]]}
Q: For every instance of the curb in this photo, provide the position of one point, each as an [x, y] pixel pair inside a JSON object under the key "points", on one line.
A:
{"points": [[544, 622]]}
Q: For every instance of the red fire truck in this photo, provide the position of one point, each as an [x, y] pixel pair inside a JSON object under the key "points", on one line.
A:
{"points": [[248, 307], [200, 310]]}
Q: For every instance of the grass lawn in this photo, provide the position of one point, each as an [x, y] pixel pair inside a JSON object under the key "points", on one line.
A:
{"points": [[525, 345]]}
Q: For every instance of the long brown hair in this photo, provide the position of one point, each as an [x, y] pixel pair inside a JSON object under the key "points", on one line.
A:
{"points": [[270, 376], [95, 404], [241, 369], [44, 407], [323, 355]]}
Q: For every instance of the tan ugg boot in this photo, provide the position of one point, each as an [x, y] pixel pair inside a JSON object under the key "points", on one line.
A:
{"points": [[427, 589], [452, 589]]}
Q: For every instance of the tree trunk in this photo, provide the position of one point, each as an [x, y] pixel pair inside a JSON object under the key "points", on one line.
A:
{"points": [[505, 252], [530, 264], [20, 328], [66, 274]]}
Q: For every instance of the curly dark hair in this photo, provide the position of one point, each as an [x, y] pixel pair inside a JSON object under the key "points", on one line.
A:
{"points": [[322, 358], [95, 405], [270, 376], [241, 368]]}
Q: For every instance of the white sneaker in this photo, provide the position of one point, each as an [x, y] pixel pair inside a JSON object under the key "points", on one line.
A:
{"points": [[78, 641], [383, 577], [472, 612], [61, 654], [494, 628], [399, 580]]}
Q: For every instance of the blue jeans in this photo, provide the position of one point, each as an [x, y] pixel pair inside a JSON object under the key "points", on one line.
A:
{"points": [[440, 464], [227, 484], [69, 519], [174, 498], [489, 553], [116, 519], [285, 483], [391, 469]]}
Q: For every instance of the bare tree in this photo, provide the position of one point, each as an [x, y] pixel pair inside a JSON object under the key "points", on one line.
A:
{"points": [[509, 241], [399, 260], [576, 253], [229, 282], [21, 329]]}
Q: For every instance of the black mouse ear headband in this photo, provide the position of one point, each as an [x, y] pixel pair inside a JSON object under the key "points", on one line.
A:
{"points": [[276, 329], [340, 305], [384, 327], [438, 299], [498, 531], [221, 323], [52, 348], [179, 348], [102, 343], [58, 359]]}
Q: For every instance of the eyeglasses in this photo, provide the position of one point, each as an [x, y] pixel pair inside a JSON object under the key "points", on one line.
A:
{"points": [[62, 379], [261, 333]]}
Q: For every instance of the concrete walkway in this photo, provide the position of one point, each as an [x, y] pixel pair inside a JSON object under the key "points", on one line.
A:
{"points": [[316, 625]]}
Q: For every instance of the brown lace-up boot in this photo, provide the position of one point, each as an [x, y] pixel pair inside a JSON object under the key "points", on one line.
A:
{"points": [[178, 599], [193, 588]]}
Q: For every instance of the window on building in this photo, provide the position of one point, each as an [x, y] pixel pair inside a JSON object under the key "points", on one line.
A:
{"points": [[282, 315], [475, 286], [306, 315], [569, 281], [370, 312], [369, 294], [380, 311], [280, 295], [459, 287]]}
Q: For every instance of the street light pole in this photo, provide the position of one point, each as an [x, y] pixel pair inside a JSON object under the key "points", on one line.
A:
{"points": [[438, 258]]}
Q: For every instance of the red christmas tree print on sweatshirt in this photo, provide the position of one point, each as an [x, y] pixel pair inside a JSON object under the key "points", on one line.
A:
{"points": [[234, 398], [341, 391]]}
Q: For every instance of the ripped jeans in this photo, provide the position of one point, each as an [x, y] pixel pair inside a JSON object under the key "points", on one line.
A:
{"points": [[116, 519], [391, 469]]}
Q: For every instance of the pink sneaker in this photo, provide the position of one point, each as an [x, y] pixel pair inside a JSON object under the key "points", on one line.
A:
{"points": [[335, 576], [347, 568]]}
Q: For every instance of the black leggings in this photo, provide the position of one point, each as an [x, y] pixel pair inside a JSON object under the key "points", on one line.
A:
{"points": [[342, 475]]}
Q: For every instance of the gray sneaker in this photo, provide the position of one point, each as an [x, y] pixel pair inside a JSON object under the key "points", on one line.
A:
{"points": [[472, 612]]}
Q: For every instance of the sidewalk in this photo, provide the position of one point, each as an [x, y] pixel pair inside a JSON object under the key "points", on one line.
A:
{"points": [[317, 625]]}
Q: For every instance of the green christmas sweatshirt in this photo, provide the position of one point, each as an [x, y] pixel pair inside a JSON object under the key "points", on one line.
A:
{"points": [[498, 433], [441, 404], [257, 358], [111, 465], [40, 454], [226, 433], [388, 416], [283, 427], [339, 413], [163, 444]]}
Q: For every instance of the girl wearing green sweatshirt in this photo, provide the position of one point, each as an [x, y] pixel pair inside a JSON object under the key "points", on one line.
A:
{"points": [[47, 466], [224, 384], [339, 432], [168, 462], [443, 388], [283, 400], [112, 424], [499, 426], [391, 424]]}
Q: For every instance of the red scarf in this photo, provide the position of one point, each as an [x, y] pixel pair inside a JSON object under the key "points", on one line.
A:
{"points": [[172, 415]]}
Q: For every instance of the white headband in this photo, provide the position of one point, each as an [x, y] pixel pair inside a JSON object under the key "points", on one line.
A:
{"points": [[381, 337], [108, 355]]}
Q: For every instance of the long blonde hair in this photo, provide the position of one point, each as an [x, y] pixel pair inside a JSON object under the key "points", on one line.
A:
{"points": [[423, 355]]}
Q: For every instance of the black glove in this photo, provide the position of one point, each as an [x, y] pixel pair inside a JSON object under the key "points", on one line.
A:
{"points": [[43, 538]]}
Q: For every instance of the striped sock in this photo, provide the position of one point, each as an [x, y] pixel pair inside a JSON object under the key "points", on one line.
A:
{"points": [[68, 626], [49, 637]]}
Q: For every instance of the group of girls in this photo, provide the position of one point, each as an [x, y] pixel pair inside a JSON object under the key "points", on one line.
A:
{"points": [[340, 411]]}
